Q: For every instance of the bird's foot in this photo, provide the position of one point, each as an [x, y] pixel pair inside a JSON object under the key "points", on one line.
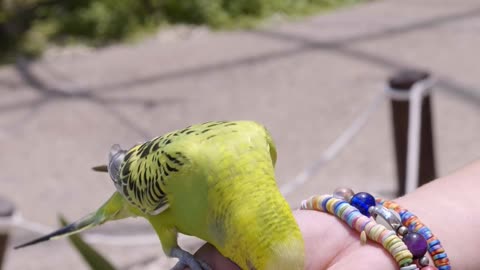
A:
{"points": [[187, 259]]}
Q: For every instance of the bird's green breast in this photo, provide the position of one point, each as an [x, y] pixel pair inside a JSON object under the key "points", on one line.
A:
{"points": [[238, 203], [250, 219]]}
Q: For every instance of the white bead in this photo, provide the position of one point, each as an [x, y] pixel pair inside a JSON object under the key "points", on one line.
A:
{"points": [[409, 267], [343, 193]]}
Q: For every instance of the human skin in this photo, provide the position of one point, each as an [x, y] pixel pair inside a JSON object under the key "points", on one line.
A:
{"points": [[448, 206]]}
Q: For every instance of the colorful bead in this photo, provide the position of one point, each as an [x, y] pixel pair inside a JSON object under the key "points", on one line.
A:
{"points": [[363, 201], [444, 267], [416, 244], [439, 256]]}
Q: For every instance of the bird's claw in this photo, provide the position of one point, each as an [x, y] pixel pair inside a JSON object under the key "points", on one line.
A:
{"points": [[187, 259], [180, 265]]}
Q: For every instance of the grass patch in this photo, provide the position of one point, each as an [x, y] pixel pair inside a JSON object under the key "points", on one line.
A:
{"points": [[27, 27]]}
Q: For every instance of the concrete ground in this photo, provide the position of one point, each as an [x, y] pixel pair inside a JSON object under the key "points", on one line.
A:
{"points": [[305, 80]]}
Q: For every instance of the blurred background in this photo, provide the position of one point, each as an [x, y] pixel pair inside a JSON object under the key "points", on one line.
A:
{"points": [[79, 76]]}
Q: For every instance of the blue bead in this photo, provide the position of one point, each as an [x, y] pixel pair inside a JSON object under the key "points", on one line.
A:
{"points": [[324, 204], [439, 256], [405, 216], [337, 207], [423, 230], [362, 201], [350, 217], [427, 234], [433, 243]]}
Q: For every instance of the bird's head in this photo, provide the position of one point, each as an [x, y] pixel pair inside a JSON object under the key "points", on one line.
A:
{"points": [[115, 160]]}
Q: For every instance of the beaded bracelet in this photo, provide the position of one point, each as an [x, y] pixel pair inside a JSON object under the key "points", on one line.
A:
{"points": [[435, 249], [356, 220], [409, 245]]}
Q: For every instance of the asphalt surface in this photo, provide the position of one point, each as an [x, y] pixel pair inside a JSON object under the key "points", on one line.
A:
{"points": [[305, 80]]}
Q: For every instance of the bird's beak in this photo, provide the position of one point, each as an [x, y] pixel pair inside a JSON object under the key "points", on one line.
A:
{"points": [[100, 168], [112, 209]]}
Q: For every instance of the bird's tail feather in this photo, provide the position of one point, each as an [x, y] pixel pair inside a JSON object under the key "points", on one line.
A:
{"points": [[111, 210], [78, 226]]}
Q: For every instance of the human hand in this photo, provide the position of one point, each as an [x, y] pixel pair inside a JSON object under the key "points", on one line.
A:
{"points": [[329, 245]]}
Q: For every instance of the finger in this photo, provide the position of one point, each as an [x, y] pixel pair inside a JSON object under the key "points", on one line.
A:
{"points": [[212, 257]]}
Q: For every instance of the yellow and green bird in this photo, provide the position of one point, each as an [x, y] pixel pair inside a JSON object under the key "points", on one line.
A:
{"points": [[214, 181]]}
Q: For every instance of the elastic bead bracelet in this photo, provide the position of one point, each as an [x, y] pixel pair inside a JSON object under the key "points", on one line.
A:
{"points": [[356, 220], [435, 249], [366, 203], [414, 238]]}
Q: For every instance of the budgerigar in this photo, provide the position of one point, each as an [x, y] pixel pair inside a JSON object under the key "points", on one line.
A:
{"points": [[214, 181]]}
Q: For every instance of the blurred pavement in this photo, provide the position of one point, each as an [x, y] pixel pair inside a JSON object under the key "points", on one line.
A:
{"points": [[305, 80]]}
